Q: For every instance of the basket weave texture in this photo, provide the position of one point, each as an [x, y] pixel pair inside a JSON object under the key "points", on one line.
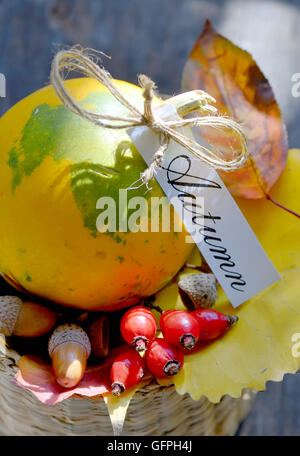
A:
{"points": [[154, 410]]}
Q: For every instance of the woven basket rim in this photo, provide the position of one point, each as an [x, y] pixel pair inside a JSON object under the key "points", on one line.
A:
{"points": [[153, 410]]}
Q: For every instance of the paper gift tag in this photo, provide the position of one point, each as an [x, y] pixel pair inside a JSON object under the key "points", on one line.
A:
{"points": [[210, 214]]}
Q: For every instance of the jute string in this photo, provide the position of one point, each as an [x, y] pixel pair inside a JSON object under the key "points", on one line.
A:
{"points": [[83, 61]]}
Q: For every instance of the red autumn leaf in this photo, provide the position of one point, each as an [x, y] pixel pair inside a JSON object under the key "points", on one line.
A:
{"points": [[233, 78], [36, 376]]}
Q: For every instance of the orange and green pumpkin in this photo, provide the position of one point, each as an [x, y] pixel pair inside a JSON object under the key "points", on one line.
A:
{"points": [[54, 166]]}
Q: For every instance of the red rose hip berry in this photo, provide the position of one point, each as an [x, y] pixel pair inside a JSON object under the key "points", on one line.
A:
{"points": [[138, 327], [212, 323], [180, 328], [162, 359], [127, 370]]}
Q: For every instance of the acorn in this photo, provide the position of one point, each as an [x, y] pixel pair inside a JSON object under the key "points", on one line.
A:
{"points": [[24, 318], [99, 333], [198, 290], [69, 348]]}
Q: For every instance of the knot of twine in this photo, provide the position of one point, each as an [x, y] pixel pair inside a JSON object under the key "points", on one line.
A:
{"points": [[81, 60]]}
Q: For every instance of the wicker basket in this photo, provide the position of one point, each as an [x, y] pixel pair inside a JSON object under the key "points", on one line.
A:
{"points": [[154, 411]]}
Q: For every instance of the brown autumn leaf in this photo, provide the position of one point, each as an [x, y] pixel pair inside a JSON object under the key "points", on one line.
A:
{"points": [[233, 78]]}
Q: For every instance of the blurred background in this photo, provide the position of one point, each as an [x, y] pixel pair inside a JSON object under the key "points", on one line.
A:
{"points": [[155, 37]]}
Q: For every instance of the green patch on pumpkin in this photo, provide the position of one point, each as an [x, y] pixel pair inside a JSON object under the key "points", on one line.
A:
{"points": [[102, 160]]}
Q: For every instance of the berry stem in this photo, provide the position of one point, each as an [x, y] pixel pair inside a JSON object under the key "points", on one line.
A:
{"points": [[188, 341], [157, 308], [171, 367], [232, 319], [117, 389], [140, 343]]}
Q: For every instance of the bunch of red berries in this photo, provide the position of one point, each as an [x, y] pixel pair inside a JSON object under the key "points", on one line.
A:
{"points": [[182, 331]]}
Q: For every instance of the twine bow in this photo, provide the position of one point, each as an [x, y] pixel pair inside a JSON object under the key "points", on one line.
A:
{"points": [[78, 59]]}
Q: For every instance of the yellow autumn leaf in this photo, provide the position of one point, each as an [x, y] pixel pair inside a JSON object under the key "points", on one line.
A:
{"points": [[276, 229], [259, 347], [117, 407]]}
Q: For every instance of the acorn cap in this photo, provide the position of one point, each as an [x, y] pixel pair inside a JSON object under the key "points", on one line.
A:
{"points": [[198, 290], [10, 307], [69, 333]]}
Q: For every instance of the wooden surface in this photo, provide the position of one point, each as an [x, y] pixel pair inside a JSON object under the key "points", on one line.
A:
{"points": [[276, 411], [155, 37]]}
